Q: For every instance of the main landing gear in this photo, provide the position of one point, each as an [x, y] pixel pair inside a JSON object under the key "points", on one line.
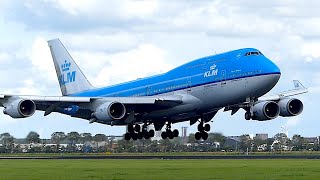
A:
{"points": [[137, 132], [168, 133], [202, 131]]}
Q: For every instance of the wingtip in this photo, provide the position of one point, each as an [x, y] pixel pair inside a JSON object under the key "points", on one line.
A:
{"points": [[298, 85]]}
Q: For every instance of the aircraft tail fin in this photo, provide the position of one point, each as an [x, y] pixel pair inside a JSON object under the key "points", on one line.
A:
{"points": [[70, 77]]}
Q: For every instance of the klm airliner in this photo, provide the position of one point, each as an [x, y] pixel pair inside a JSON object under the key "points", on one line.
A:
{"points": [[192, 92]]}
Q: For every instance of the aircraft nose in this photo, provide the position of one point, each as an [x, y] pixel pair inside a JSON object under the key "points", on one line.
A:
{"points": [[273, 68]]}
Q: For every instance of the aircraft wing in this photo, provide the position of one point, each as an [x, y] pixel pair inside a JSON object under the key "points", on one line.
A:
{"points": [[71, 99], [298, 89], [53, 103]]}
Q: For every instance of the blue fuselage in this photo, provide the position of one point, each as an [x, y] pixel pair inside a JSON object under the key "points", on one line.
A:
{"points": [[233, 65]]}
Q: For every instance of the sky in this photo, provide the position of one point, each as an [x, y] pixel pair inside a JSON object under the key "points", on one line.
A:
{"points": [[115, 41]]}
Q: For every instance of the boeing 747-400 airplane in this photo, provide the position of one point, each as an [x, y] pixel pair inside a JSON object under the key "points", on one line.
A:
{"points": [[192, 92]]}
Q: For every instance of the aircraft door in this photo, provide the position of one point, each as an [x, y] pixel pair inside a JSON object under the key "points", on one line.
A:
{"points": [[223, 77]]}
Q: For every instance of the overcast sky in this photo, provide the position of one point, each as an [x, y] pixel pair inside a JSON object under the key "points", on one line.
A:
{"points": [[116, 41]]}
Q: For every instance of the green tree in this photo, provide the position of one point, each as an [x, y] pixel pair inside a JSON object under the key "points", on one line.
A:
{"points": [[7, 141], [191, 138], [100, 137], [258, 142], [57, 138], [298, 143], [216, 138], [85, 137], [281, 139], [245, 143], [33, 137], [125, 146], [73, 137]]}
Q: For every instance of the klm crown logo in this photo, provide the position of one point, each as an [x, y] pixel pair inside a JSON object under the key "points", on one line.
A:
{"points": [[213, 67], [65, 66], [66, 76]]}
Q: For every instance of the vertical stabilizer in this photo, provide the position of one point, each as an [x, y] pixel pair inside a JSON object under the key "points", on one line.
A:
{"points": [[71, 78]]}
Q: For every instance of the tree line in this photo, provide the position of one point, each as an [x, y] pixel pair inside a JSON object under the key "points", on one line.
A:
{"points": [[86, 142]]}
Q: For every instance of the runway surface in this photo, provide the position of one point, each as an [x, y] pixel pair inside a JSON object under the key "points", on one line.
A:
{"points": [[168, 157]]}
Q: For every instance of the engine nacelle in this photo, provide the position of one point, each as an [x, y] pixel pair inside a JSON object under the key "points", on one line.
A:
{"points": [[20, 108], [290, 107], [265, 110], [110, 111]]}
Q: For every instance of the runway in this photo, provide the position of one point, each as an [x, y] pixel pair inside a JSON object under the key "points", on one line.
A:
{"points": [[165, 157]]}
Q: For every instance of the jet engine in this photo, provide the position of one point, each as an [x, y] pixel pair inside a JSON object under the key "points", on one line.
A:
{"points": [[290, 107], [265, 110], [20, 108], [110, 111]]}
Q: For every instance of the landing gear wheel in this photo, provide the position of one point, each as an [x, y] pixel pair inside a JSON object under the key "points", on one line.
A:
{"points": [[127, 136], [146, 136], [169, 134], [140, 135], [204, 135], [151, 133], [137, 128], [164, 135], [207, 127], [200, 127], [175, 133], [134, 136], [198, 136], [130, 128]]}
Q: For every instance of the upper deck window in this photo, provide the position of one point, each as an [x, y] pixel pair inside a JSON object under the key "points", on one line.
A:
{"points": [[256, 53]]}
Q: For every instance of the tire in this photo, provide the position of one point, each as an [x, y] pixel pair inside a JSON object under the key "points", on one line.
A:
{"points": [[164, 135], [175, 133], [134, 136], [197, 136], [137, 128], [207, 127], [127, 136], [146, 136], [169, 134], [151, 133], [204, 135], [140, 135], [130, 128], [200, 127]]}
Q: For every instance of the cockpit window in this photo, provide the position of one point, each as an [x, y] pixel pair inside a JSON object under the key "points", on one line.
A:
{"points": [[256, 53]]}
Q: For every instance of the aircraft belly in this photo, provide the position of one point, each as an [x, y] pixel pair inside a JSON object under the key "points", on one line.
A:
{"points": [[205, 98], [234, 91]]}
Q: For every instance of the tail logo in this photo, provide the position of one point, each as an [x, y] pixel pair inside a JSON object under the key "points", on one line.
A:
{"points": [[66, 76]]}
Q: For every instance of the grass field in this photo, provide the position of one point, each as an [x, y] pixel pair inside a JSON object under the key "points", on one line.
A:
{"points": [[160, 169]]}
